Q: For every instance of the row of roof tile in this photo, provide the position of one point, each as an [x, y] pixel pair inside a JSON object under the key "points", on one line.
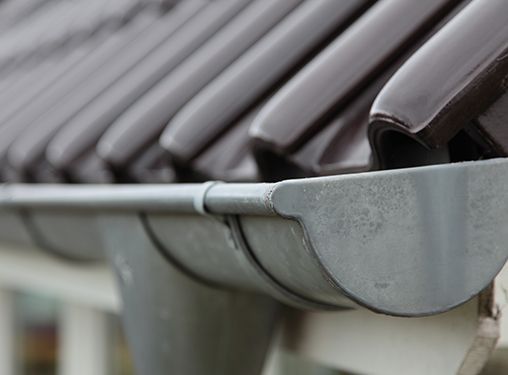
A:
{"points": [[247, 90]]}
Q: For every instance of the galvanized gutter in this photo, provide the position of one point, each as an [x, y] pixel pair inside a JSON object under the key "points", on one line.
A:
{"points": [[202, 267], [405, 242]]}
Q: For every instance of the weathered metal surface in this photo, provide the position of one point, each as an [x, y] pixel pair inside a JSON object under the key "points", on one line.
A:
{"points": [[176, 324], [407, 237], [406, 242]]}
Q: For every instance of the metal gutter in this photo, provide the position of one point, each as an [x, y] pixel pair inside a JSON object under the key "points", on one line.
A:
{"points": [[202, 268], [405, 242]]}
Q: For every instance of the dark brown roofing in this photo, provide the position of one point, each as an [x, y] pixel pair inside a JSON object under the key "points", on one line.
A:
{"points": [[245, 90], [142, 123], [29, 146], [98, 51], [317, 123], [450, 81], [254, 74], [77, 139], [229, 33]]}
